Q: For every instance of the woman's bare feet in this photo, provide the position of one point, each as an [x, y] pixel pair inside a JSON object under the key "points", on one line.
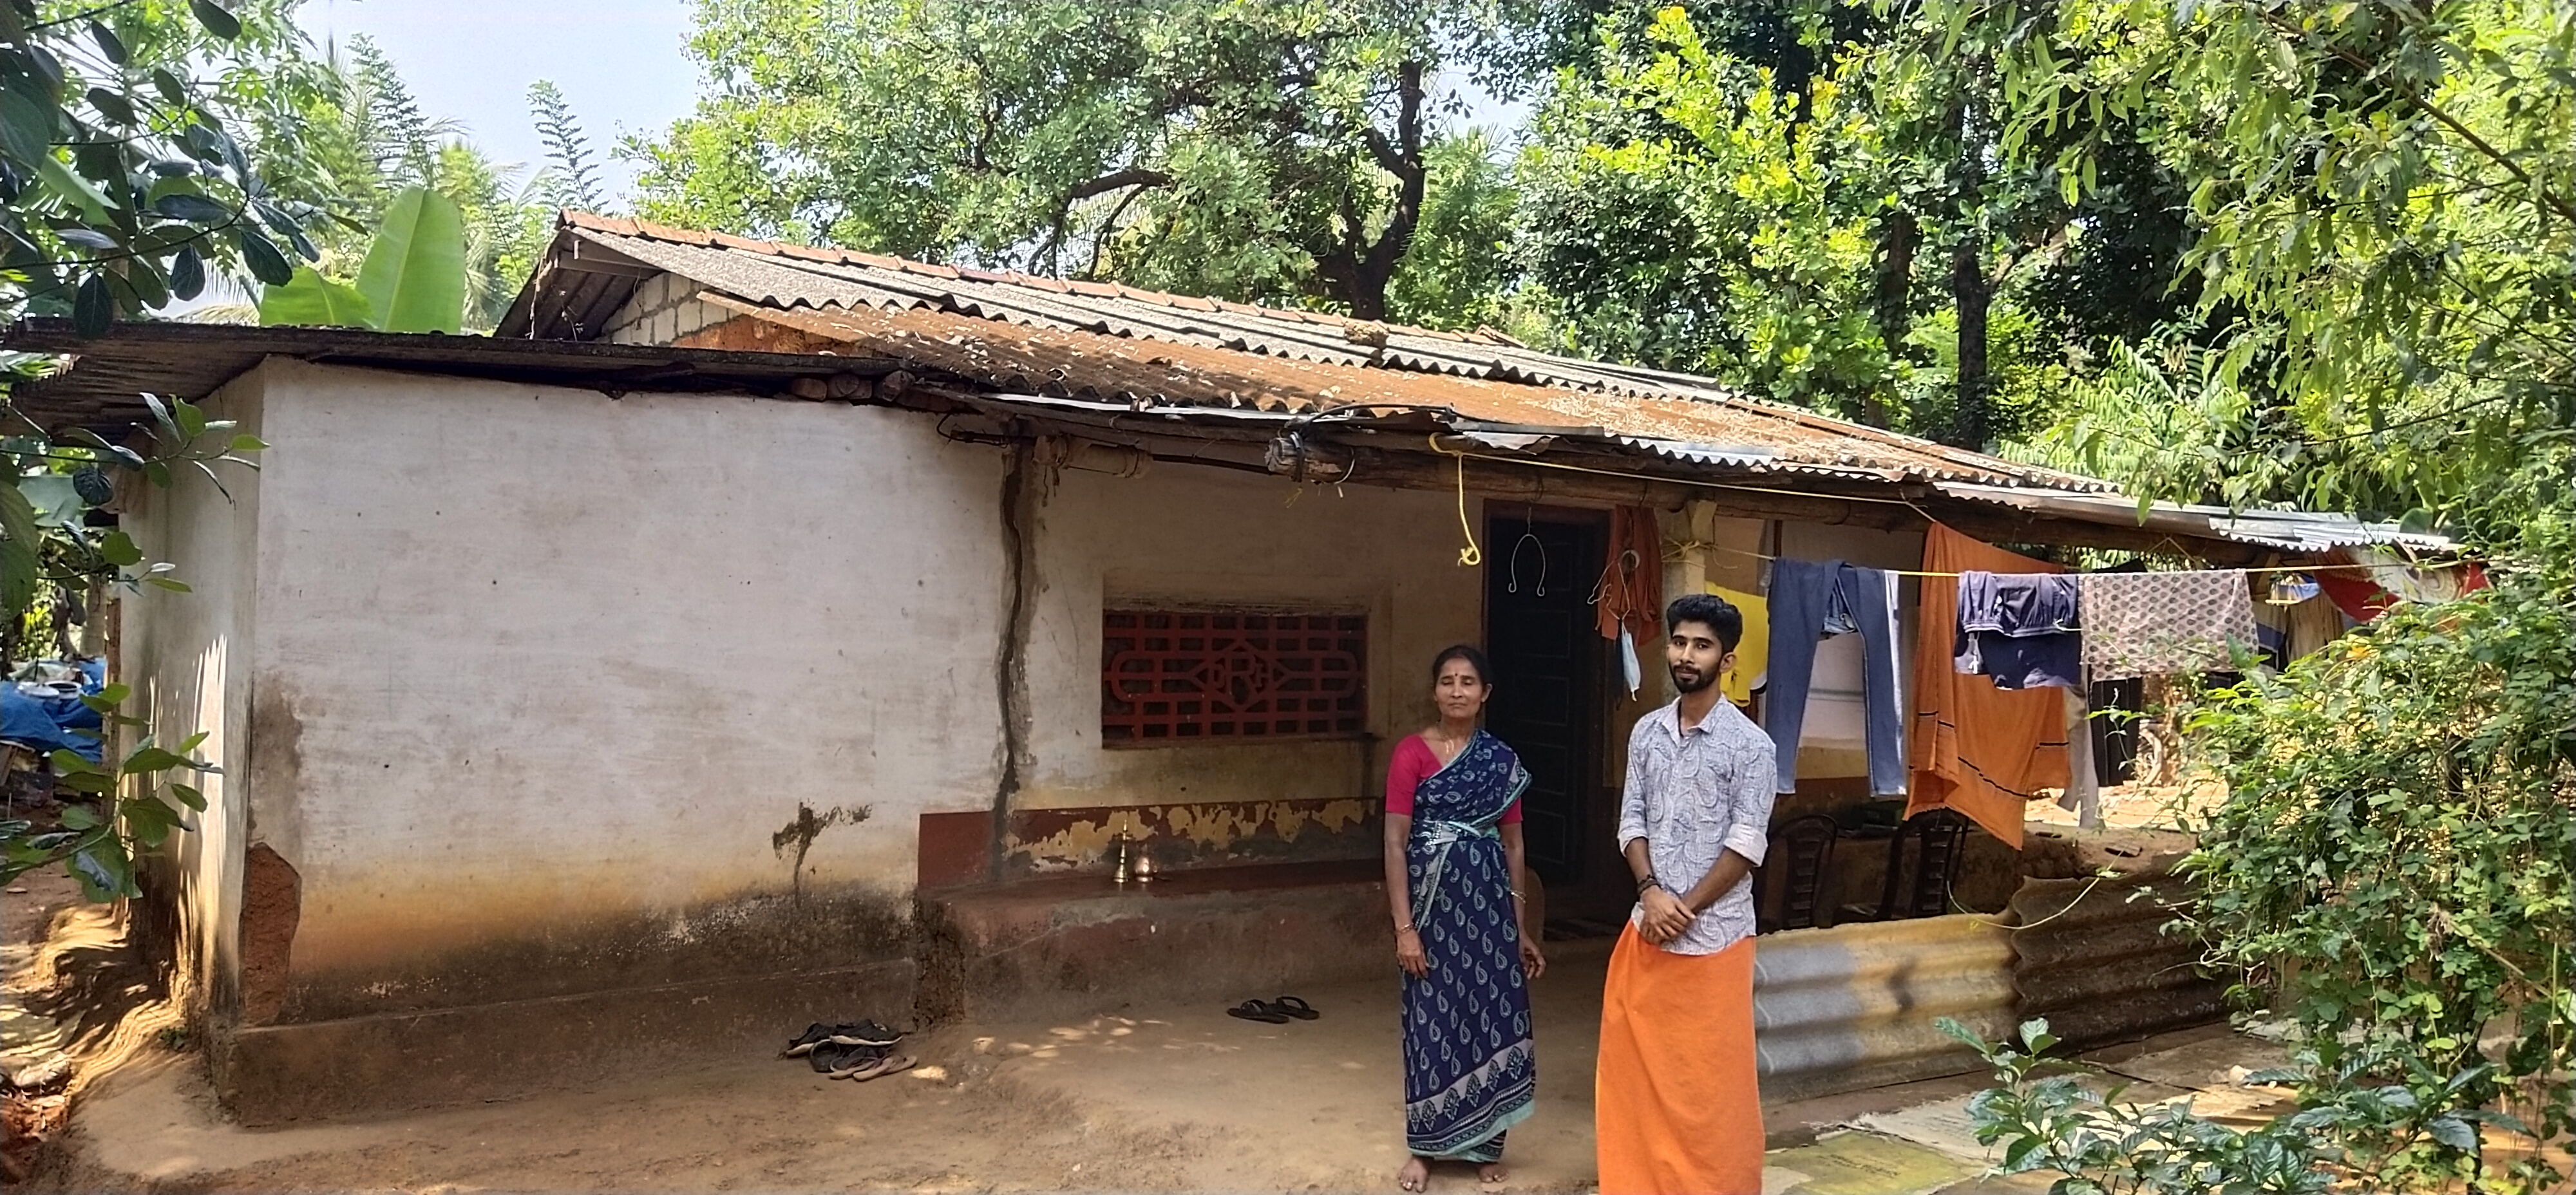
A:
{"points": [[1493, 1174], [1415, 1175]]}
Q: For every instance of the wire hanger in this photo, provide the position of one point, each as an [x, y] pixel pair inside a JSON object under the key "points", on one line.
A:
{"points": [[1529, 535], [1621, 573]]}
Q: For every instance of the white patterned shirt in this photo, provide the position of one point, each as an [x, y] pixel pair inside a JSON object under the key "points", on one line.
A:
{"points": [[1693, 795]]}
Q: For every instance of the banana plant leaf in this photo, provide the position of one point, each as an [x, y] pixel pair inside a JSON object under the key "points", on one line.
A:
{"points": [[414, 275], [311, 300]]}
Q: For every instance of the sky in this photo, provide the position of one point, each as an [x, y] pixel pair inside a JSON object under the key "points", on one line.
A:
{"points": [[622, 64]]}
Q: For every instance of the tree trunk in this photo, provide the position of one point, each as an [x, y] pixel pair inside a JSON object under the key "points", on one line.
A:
{"points": [[1898, 235], [1973, 423], [1356, 271]]}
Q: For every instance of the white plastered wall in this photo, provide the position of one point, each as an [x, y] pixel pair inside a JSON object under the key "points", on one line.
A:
{"points": [[537, 655], [1201, 536], [187, 656]]}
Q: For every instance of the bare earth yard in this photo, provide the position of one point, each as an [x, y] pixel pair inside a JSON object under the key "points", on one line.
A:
{"points": [[1130, 1098]]}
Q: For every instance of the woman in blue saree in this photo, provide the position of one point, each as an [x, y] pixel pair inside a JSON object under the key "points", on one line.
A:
{"points": [[1455, 873]]}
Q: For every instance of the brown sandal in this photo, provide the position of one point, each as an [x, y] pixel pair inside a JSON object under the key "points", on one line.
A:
{"points": [[891, 1064]]}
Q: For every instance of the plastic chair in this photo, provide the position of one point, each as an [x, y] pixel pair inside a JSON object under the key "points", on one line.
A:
{"points": [[1792, 876], [1940, 839]]}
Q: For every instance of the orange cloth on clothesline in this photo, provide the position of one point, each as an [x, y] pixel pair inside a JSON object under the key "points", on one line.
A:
{"points": [[1676, 1098], [1632, 591], [1983, 751]]}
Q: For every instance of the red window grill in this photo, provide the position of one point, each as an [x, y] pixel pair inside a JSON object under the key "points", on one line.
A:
{"points": [[1176, 675]]}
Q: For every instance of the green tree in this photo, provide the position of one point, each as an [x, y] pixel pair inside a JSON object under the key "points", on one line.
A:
{"points": [[354, 139], [1280, 150], [2381, 210], [130, 173], [572, 180], [1682, 210], [1916, 275], [2383, 214], [124, 181]]}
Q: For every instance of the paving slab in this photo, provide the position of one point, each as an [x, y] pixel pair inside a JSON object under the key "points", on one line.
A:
{"points": [[1858, 1163]]}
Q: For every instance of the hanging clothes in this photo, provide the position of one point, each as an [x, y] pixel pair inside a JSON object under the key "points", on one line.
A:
{"points": [[2165, 624], [1809, 601], [1753, 654], [2272, 632], [1628, 601], [2020, 629], [2083, 780], [1983, 751], [2313, 624], [2351, 590], [2115, 708], [2365, 593]]}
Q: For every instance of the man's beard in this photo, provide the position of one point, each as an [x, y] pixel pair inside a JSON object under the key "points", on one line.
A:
{"points": [[1693, 683]]}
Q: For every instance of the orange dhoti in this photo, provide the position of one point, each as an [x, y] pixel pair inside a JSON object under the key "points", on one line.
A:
{"points": [[1677, 1105]]}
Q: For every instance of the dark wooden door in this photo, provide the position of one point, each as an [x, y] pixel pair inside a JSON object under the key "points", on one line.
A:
{"points": [[1547, 683]]}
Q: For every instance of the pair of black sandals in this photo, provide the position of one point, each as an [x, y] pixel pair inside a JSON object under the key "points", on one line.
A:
{"points": [[1274, 1012], [860, 1050]]}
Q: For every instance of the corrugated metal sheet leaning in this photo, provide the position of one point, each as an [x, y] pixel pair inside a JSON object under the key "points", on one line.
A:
{"points": [[1854, 1006], [2096, 960]]}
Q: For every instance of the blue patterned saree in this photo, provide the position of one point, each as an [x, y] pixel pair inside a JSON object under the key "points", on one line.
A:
{"points": [[1469, 1069]]}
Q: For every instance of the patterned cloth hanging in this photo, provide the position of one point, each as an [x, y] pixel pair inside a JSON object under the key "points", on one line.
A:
{"points": [[2165, 624]]}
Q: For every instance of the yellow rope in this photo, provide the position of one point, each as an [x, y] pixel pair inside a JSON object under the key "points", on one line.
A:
{"points": [[1469, 556], [1991, 923]]}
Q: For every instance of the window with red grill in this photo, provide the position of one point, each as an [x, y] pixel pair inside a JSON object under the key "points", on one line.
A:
{"points": [[1187, 675]]}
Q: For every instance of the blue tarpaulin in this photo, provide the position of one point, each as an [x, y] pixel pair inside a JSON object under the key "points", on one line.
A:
{"points": [[54, 720]]}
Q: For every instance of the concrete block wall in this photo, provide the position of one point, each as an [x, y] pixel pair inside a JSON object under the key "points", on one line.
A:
{"points": [[664, 309]]}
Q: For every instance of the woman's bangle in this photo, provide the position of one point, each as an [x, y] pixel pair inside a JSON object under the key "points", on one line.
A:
{"points": [[1516, 895], [1406, 928]]}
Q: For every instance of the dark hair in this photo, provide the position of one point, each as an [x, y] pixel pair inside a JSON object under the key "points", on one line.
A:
{"points": [[1462, 651], [1715, 611]]}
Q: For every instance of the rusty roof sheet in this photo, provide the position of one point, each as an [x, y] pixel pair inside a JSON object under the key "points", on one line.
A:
{"points": [[1139, 372], [1116, 343], [2300, 531]]}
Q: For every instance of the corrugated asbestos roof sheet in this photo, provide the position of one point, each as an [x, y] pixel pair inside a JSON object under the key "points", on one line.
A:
{"points": [[102, 383], [2284, 530], [100, 389], [1115, 343]]}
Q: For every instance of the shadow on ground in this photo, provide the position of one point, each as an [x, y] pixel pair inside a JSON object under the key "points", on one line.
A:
{"points": [[1128, 1097]]}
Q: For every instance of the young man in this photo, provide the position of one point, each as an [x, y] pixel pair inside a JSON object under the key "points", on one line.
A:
{"points": [[1675, 1100]]}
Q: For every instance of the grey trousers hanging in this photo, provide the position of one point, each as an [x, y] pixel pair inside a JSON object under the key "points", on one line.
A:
{"points": [[1810, 601]]}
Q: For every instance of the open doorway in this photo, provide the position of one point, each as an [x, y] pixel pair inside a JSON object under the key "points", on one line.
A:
{"points": [[1549, 697]]}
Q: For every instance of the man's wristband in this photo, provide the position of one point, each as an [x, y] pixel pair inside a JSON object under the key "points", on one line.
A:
{"points": [[1649, 882]]}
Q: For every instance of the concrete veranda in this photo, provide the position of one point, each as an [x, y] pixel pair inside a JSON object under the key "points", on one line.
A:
{"points": [[1131, 1097]]}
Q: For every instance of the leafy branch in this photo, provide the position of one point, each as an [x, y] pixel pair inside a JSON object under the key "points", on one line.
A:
{"points": [[129, 800]]}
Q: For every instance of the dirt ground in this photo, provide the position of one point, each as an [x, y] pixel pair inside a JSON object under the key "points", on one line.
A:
{"points": [[1179, 1098], [1183, 1098], [2141, 806], [35, 1072]]}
